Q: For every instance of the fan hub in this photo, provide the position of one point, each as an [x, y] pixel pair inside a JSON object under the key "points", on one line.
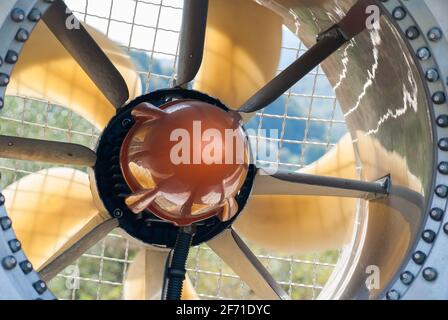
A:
{"points": [[184, 161], [147, 123]]}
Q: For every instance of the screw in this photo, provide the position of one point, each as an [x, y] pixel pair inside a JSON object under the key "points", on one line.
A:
{"points": [[126, 122], [118, 213]]}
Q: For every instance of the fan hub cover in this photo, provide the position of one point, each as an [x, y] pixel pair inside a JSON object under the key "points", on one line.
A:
{"points": [[184, 161]]}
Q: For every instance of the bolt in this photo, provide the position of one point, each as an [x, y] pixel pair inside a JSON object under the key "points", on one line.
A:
{"points": [[429, 274], [407, 278], [419, 257], [9, 262], [412, 33], [435, 34], [393, 295], [399, 13], [436, 214], [423, 53], [118, 213], [432, 75], [18, 15], [126, 122]]}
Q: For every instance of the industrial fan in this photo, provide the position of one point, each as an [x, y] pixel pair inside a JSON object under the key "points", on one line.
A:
{"points": [[131, 182]]}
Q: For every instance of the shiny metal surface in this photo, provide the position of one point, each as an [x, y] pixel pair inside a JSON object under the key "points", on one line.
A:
{"points": [[185, 161]]}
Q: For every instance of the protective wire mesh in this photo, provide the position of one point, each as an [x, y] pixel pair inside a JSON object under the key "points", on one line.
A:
{"points": [[307, 116]]}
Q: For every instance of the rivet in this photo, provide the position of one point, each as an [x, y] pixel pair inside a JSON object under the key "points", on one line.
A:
{"points": [[399, 13], [22, 35], [432, 75], [9, 262], [407, 278], [35, 15], [11, 57], [436, 214], [393, 295], [412, 33], [419, 257], [40, 286], [18, 15], [423, 53], [26, 266], [443, 167], [5, 223], [439, 97], [2, 199], [442, 191], [4, 79], [2, 103], [428, 236], [435, 34], [429, 274], [14, 245]]}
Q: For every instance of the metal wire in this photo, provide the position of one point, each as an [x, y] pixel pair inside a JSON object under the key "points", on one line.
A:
{"points": [[307, 107]]}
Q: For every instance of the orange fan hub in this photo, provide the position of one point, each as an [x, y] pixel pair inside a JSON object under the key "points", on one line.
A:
{"points": [[185, 161]]}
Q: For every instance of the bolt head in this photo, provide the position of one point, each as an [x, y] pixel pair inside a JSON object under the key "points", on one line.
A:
{"points": [[429, 274], [9, 262], [419, 257], [435, 34], [399, 13], [407, 278], [423, 53], [412, 33], [436, 214], [393, 295]]}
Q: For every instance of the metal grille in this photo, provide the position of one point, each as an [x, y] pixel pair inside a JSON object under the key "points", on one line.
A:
{"points": [[308, 118]]}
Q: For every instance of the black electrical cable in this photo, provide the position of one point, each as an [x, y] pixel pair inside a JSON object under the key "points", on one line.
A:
{"points": [[176, 271]]}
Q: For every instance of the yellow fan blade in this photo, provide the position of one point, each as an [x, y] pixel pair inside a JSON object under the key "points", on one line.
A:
{"points": [[304, 223], [48, 209], [45, 70], [145, 276], [242, 50]]}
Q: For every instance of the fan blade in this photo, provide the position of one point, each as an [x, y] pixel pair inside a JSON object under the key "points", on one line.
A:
{"points": [[49, 209], [92, 233], [351, 25], [146, 274], [237, 255], [237, 60], [46, 71], [46, 151], [293, 223], [87, 53], [192, 38]]}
